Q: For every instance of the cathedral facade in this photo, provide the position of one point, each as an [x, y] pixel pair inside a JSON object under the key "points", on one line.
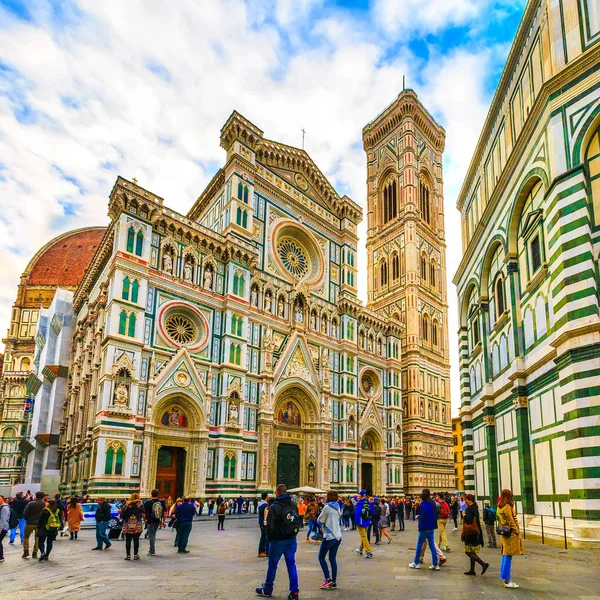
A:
{"points": [[226, 351]]}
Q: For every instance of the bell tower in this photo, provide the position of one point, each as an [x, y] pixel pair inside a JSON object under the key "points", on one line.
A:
{"points": [[407, 277]]}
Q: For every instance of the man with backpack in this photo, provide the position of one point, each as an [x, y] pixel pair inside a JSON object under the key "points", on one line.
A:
{"points": [[375, 517], [444, 513], [283, 524], [362, 518], [155, 510], [489, 518], [32, 516], [263, 545]]}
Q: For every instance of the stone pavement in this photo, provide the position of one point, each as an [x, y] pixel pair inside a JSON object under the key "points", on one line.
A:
{"points": [[223, 565]]}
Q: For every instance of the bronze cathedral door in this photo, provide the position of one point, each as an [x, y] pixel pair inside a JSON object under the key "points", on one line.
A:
{"points": [[288, 465]]}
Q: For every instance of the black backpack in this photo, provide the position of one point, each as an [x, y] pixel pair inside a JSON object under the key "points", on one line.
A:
{"points": [[377, 511], [13, 521], [365, 513], [291, 521]]}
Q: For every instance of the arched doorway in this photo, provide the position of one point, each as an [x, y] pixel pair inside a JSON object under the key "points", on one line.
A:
{"points": [[300, 454], [175, 445], [372, 463]]}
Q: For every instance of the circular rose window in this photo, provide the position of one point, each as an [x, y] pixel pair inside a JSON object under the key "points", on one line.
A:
{"points": [[181, 329], [367, 383], [370, 383], [297, 253], [181, 324]]}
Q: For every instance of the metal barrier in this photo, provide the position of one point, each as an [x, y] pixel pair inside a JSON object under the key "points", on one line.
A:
{"points": [[564, 520]]}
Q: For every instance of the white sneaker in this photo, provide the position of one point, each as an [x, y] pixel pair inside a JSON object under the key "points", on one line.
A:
{"points": [[455, 529], [434, 568], [414, 565], [359, 552], [511, 584]]}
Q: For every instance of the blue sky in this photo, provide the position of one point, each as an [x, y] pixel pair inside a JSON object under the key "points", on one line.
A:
{"points": [[90, 90]]}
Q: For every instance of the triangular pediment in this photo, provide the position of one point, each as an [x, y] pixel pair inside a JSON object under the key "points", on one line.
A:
{"points": [[296, 362], [180, 375], [371, 419]]}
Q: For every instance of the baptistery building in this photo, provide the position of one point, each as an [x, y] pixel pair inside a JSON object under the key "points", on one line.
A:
{"points": [[225, 351]]}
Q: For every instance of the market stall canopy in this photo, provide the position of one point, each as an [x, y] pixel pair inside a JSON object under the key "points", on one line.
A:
{"points": [[306, 490]]}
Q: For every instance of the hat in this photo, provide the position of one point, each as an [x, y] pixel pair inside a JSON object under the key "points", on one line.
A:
{"points": [[362, 493]]}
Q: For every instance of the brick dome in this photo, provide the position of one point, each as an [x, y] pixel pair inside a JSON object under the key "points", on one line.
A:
{"points": [[63, 261]]}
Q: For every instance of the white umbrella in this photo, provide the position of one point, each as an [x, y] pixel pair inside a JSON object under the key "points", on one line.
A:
{"points": [[307, 490]]}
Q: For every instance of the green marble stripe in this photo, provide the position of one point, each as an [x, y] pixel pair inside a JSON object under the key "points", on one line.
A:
{"points": [[569, 262], [584, 411], [582, 240], [567, 228], [566, 193], [582, 432], [573, 315], [562, 213], [588, 494], [583, 452], [573, 297], [575, 355]]}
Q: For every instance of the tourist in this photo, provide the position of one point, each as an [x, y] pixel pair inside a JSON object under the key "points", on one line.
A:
{"points": [[133, 516], [375, 516], [311, 514], [462, 506], [173, 519], [384, 521], [427, 526], [184, 514], [283, 524], [440, 555], [443, 514], [4, 524], [32, 516], [332, 538], [263, 544], [392, 506], [221, 514], [472, 535], [255, 505], [240, 503], [18, 506], [510, 541], [49, 524], [211, 507], [200, 506], [400, 513], [155, 510], [102, 518], [454, 512], [74, 517], [362, 517], [347, 510], [489, 520]]}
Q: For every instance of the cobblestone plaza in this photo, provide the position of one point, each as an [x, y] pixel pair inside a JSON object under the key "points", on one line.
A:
{"points": [[224, 566]]}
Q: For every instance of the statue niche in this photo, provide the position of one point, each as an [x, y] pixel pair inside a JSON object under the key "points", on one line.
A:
{"points": [[122, 390]]}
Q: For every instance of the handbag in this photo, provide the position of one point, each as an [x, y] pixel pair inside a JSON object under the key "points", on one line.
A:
{"points": [[133, 526], [469, 529], [505, 531]]}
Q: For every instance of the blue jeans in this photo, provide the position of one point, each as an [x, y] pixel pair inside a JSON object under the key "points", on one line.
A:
{"points": [[101, 537], [429, 535], [311, 526], [331, 547], [21, 528], [505, 566], [263, 545], [183, 535], [287, 548]]}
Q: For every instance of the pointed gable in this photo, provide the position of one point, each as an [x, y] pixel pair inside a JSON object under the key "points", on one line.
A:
{"points": [[296, 362], [180, 375]]}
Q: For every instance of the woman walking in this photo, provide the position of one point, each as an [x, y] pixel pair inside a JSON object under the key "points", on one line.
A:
{"points": [[49, 525], [472, 536], [74, 517], [510, 540], [454, 512], [332, 538], [133, 516], [221, 514], [346, 513], [384, 521]]}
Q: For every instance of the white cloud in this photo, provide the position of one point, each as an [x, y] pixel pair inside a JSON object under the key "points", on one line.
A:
{"points": [[142, 89]]}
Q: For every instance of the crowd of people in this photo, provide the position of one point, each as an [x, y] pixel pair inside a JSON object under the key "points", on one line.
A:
{"points": [[39, 519], [280, 519]]}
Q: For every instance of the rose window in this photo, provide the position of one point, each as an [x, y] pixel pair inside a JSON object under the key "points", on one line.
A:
{"points": [[293, 256], [181, 329], [367, 383]]}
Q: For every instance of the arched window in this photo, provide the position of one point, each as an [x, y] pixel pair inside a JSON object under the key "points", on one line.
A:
{"points": [[240, 191], [383, 272], [119, 459], [432, 274], [238, 283], [395, 266], [130, 239], [389, 201], [232, 353], [434, 333], [135, 290], [423, 268], [108, 464], [500, 300], [131, 326], [232, 466], [226, 462], [139, 243], [424, 204], [123, 323], [236, 325], [126, 287], [425, 328]]}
